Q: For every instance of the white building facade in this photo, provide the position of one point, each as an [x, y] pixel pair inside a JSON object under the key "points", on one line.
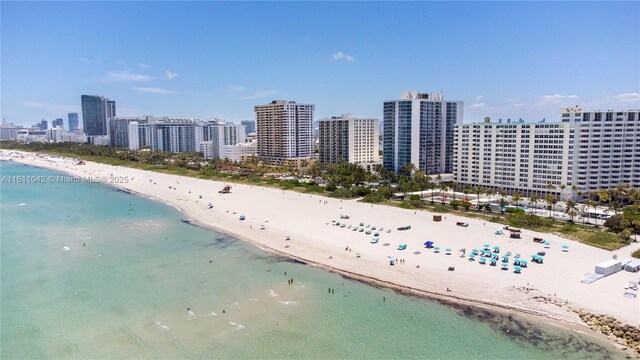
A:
{"points": [[418, 129], [350, 139], [607, 148], [240, 151], [531, 158]]}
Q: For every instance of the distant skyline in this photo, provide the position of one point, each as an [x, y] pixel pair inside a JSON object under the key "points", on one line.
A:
{"points": [[203, 59]]}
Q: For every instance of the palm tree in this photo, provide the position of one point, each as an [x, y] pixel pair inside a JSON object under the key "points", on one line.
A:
{"points": [[443, 189], [516, 197], [453, 186], [550, 187], [432, 187], [466, 190], [562, 187], [533, 200], [570, 206], [589, 203], [550, 200]]}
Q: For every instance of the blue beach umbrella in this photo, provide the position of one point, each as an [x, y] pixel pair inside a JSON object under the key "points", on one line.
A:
{"points": [[436, 249], [505, 265], [483, 260], [565, 247], [493, 261], [486, 245], [505, 258], [517, 269]]}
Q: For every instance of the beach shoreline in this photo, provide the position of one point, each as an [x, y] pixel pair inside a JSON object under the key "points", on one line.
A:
{"points": [[323, 248]]}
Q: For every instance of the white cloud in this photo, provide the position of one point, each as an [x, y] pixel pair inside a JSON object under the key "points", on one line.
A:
{"points": [[632, 98], [557, 98], [236, 88], [123, 76], [145, 66], [516, 104], [342, 56], [169, 75], [61, 108], [477, 105], [479, 97], [153, 90], [258, 94]]}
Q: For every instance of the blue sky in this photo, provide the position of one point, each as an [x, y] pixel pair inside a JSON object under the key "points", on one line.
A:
{"points": [[202, 59]]}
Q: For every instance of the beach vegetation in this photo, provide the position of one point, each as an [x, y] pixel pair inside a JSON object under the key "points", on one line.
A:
{"points": [[636, 253]]}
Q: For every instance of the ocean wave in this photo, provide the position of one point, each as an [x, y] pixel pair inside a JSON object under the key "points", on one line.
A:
{"points": [[191, 315], [272, 293], [22, 204], [288, 302], [65, 248], [213, 313], [163, 327]]}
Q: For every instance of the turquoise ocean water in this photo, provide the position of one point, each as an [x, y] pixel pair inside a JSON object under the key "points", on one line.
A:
{"points": [[126, 291]]}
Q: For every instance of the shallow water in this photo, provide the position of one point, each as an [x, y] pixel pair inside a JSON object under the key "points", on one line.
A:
{"points": [[91, 272]]}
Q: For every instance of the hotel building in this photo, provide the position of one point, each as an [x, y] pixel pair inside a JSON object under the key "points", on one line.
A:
{"points": [[606, 148], [532, 158], [350, 139]]}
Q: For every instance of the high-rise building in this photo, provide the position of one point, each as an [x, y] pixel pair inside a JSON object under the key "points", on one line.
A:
{"points": [[350, 139], [96, 110], [72, 120], [59, 122], [42, 125], [531, 158], [284, 132], [220, 134], [606, 148], [250, 126], [418, 130], [8, 131], [119, 131]]}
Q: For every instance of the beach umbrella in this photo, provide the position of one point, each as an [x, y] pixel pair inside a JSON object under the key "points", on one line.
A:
{"points": [[493, 261], [447, 249], [505, 258], [475, 251], [483, 260], [505, 265], [486, 245], [565, 247], [472, 255], [517, 269], [436, 249], [523, 263]]}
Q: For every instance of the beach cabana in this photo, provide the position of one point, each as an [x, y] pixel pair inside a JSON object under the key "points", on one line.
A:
{"points": [[546, 244], [505, 258], [565, 248], [428, 244], [472, 257], [474, 251], [517, 269], [504, 266], [493, 262], [482, 260], [496, 249]]}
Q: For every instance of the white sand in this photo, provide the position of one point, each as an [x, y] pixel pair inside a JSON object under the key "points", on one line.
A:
{"points": [[554, 286]]}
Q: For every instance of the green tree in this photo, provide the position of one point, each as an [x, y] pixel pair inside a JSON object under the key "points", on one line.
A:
{"points": [[516, 197], [551, 201]]}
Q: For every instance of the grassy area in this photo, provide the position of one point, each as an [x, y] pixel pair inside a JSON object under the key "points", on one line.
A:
{"points": [[636, 254], [602, 239]]}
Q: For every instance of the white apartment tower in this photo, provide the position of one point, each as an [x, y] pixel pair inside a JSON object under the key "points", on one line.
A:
{"points": [[606, 148], [284, 131], [531, 158], [418, 129], [350, 139]]}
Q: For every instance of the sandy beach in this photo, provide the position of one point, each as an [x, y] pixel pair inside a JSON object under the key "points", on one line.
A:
{"points": [[551, 289]]}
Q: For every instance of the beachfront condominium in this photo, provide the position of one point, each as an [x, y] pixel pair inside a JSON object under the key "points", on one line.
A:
{"points": [[349, 139], [284, 132], [250, 126], [42, 125], [96, 110], [418, 130], [72, 121], [530, 158], [606, 148], [217, 133]]}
